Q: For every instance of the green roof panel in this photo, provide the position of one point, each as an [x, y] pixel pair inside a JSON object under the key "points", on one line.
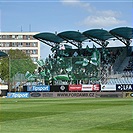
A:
{"points": [[100, 34], [46, 36], [124, 32], [72, 35]]}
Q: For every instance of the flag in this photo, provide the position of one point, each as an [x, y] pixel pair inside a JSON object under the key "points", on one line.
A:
{"points": [[75, 54], [95, 58], [28, 75], [62, 47], [41, 63], [62, 77], [69, 69], [88, 49], [94, 47], [85, 62], [43, 73]]}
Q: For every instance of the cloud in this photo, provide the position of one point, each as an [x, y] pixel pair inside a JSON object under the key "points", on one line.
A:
{"points": [[96, 18], [70, 2], [101, 21], [78, 3]]}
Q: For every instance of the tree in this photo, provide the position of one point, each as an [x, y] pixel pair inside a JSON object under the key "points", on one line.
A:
{"points": [[17, 62]]}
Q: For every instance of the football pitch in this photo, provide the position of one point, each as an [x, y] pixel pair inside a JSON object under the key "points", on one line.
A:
{"points": [[66, 115]]}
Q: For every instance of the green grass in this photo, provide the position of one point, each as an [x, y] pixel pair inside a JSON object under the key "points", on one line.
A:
{"points": [[62, 115]]}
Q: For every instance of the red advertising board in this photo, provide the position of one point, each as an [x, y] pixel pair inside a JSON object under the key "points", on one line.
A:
{"points": [[75, 87], [96, 87]]}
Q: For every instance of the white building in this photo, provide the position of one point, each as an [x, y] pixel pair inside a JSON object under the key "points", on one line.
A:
{"points": [[20, 40]]}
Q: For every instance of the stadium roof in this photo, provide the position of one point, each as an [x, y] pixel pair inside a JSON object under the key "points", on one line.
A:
{"points": [[72, 35], [124, 32], [2, 54], [46, 36], [100, 34]]}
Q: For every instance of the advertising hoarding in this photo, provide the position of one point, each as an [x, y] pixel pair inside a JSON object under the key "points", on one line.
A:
{"points": [[38, 88], [96, 87], [108, 87], [109, 94], [18, 95], [76, 94], [59, 88], [124, 87], [63, 94], [75, 87], [87, 87], [128, 94]]}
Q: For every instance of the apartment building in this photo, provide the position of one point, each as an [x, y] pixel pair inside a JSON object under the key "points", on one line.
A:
{"points": [[20, 40]]}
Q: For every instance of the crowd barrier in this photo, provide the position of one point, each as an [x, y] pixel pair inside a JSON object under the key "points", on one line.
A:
{"points": [[88, 91], [67, 94], [80, 88]]}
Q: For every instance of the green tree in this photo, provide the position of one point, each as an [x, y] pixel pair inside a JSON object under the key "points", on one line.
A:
{"points": [[16, 62]]}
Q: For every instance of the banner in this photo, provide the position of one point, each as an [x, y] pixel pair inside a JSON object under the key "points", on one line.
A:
{"points": [[96, 87], [63, 94], [3, 87], [35, 94], [38, 88], [87, 87], [76, 94], [59, 88], [109, 94], [18, 95], [128, 94], [124, 87], [108, 87], [75, 87]]}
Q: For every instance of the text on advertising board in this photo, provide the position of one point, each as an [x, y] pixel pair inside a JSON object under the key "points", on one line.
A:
{"points": [[35, 94], [75, 87], [91, 87], [124, 87], [58, 88], [76, 94], [38, 88], [18, 95], [108, 87], [87, 87]]}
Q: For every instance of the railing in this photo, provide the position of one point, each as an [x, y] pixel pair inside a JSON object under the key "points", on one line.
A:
{"points": [[119, 60]]}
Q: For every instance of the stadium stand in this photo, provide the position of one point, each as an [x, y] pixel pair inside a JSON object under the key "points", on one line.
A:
{"points": [[104, 65]]}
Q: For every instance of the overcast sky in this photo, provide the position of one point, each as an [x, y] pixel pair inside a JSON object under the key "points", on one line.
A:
{"points": [[62, 15]]}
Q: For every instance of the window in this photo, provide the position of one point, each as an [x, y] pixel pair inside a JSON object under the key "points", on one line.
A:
{"points": [[7, 37], [27, 37], [7, 44], [34, 51], [27, 51], [34, 59], [20, 44], [20, 37], [27, 44], [34, 44], [1, 44], [13, 37], [14, 44]]}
